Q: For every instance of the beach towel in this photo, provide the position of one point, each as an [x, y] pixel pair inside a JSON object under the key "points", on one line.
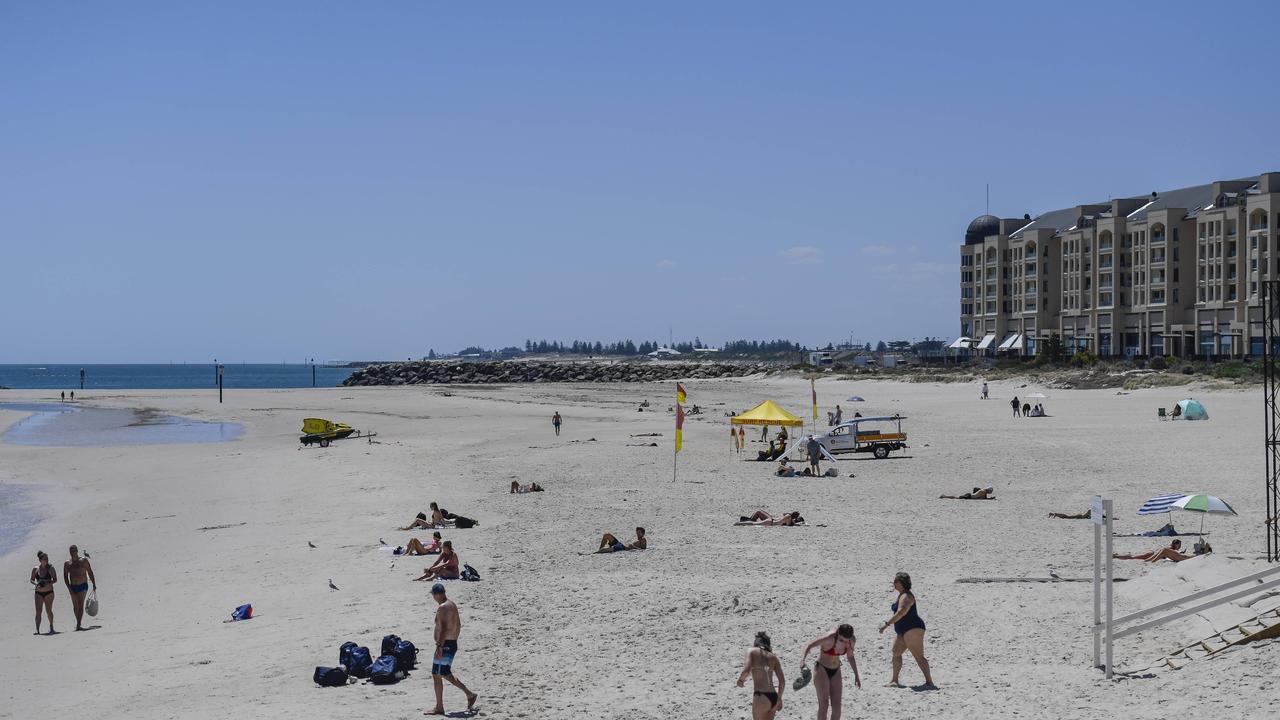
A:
{"points": [[91, 605]]}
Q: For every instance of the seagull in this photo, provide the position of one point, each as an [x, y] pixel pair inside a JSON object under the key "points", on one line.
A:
{"points": [[86, 553], [310, 544], [331, 585], [1054, 574], [381, 541]]}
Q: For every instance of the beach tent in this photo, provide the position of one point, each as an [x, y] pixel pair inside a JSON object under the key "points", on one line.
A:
{"points": [[1193, 410], [767, 413]]}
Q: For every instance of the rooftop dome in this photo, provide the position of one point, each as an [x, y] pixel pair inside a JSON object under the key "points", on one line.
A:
{"points": [[981, 228]]}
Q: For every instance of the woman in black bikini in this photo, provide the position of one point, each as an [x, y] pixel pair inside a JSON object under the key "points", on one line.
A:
{"points": [[828, 683], [44, 577], [909, 627], [766, 699]]}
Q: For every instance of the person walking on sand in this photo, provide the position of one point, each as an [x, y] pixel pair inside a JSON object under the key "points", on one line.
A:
{"points": [[839, 415], [1017, 406], [448, 627], [77, 573], [908, 627], [984, 389], [64, 395], [555, 422], [764, 433], [766, 698], [44, 577], [828, 683]]}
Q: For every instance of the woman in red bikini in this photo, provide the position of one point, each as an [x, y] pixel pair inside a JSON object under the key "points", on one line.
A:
{"points": [[826, 676]]}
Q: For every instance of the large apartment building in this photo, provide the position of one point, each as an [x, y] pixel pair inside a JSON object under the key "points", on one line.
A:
{"points": [[1176, 272]]}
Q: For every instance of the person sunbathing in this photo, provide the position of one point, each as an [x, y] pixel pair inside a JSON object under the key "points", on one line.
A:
{"points": [[760, 517], [438, 519], [766, 454], [987, 493], [610, 543], [1072, 516], [446, 568], [1173, 552], [415, 546], [784, 470]]}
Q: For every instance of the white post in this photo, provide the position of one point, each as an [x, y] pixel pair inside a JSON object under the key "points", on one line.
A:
{"points": [[1106, 510], [1097, 518]]}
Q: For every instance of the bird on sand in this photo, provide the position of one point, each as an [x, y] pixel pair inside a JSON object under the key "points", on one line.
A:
{"points": [[311, 544], [331, 585]]}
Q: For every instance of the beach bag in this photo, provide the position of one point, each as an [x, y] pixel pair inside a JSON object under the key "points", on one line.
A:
{"points": [[385, 671], [469, 574], [244, 612], [406, 655], [91, 605], [330, 676], [357, 660], [462, 523], [389, 644]]}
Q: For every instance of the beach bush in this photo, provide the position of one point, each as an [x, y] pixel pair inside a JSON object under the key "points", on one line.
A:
{"points": [[1159, 363]]}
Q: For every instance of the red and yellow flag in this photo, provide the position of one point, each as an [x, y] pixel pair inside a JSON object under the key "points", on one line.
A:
{"points": [[814, 390], [680, 398]]}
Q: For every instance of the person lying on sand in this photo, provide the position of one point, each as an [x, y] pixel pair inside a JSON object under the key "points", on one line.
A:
{"points": [[415, 546], [1072, 516], [516, 487], [784, 470], [760, 517], [987, 493], [1173, 552], [446, 568], [610, 543]]}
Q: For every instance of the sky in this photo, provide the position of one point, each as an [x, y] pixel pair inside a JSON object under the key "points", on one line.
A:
{"points": [[275, 181]]}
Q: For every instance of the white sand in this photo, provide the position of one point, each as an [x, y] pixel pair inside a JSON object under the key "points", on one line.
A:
{"points": [[654, 634]]}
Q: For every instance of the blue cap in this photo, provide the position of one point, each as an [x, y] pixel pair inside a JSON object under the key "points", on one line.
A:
{"points": [[437, 589]]}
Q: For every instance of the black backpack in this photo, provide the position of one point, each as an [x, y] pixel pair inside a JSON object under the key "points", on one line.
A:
{"points": [[469, 573], [462, 523], [389, 644], [330, 676], [356, 659], [385, 671], [406, 655]]}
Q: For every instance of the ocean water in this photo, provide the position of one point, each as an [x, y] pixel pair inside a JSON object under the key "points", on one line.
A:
{"points": [[18, 515], [67, 425], [167, 377]]}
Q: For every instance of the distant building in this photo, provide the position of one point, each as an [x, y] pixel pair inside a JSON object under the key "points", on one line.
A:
{"points": [[1172, 273], [821, 358], [663, 352]]}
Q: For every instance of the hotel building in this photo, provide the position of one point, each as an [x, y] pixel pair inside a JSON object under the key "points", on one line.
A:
{"points": [[1176, 272]]}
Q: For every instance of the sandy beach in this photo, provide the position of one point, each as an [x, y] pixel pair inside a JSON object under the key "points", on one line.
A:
{"points": [[182, 534]]}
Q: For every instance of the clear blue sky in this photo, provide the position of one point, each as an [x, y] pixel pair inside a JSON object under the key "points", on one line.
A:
{"points": [[271, 181]]}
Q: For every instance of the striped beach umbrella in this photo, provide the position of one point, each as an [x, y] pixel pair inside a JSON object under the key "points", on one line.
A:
{"points": [[1160, 504]]}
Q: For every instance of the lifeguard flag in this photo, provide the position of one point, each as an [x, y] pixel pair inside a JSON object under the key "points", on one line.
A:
{"points": [[814, 390], [680, 398]]}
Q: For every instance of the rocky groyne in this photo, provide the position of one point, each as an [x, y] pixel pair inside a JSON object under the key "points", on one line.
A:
{"points": [[437, 372]]}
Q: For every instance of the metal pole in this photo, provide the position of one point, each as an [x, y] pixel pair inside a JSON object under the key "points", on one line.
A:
{"points": [[219, 383], [1106, 509], [1097, 595], [313, 372]]}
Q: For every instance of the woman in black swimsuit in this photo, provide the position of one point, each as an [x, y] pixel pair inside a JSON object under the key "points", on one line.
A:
{"points": [[909, 628], [766, 699], [44, 577], [826, 677]]}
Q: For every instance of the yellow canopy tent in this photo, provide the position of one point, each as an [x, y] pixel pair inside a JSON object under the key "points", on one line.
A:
{"points": [[767, 413]]}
